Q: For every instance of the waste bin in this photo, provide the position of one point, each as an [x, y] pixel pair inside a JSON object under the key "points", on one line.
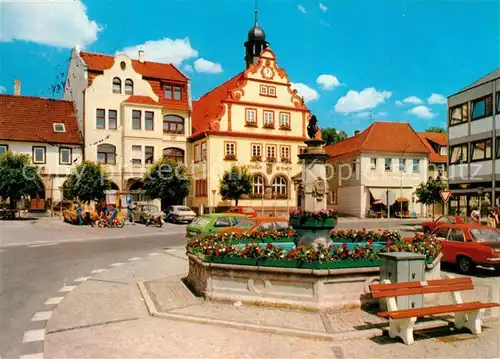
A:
{"points": [[403, 267]]}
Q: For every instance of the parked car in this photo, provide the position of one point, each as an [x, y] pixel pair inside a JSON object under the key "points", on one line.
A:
{"points": [[430, 226], [179, 214], [469, 245], [259, 224], [212, 223], [142, 212], [69, 215], [247, 211]]}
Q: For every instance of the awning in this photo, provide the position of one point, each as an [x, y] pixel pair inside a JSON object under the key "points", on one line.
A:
{"points": [[377, 192]]}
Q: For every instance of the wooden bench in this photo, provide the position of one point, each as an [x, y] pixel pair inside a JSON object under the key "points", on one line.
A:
{"points": [[401, 322]]}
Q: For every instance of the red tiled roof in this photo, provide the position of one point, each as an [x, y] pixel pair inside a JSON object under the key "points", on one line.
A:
{"points": [[391, 137], [144, 100], [208, 107], [439, 138], [101, 62], [31, 119]]}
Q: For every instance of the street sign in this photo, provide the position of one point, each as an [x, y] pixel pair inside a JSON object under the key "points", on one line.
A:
{"points": [[445, 195], [129, 198]]}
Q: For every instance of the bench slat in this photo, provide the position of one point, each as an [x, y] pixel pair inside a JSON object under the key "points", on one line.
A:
{"points": [[441, 309], [416, 284], [422, 290]]}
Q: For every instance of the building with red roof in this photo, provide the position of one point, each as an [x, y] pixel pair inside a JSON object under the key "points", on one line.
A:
{"points": [[254, 119], [132, 112], [378, 169], [47, 131]]}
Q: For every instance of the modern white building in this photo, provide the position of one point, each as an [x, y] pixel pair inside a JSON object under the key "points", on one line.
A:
{"points": [[47, 131], [474, 142], [386, 161], [131, 113]]}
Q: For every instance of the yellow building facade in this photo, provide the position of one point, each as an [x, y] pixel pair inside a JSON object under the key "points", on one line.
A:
{"points": [[255, 120]]}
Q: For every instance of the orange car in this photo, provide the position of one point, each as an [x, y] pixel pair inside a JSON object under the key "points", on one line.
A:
{"points": [[468, 245], [246, 211], [258, 224]]}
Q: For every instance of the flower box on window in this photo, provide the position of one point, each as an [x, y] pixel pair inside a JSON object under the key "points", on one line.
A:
{"points": [[285, 160], [178, 132], [256, 158], [285, 127], [281, 196], [255, 195], [251, 124], [230, 157], [271, 159], [268, 125]]}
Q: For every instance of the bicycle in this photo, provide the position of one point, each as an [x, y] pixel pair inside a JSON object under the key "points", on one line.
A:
{"points": [[157, 220], [117, 223]]}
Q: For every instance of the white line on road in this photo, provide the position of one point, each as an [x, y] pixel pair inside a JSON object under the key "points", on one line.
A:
{"points": [[116, 264], [133, 259], [82, 279], [42, 245], [53, 300], [32, 356], [67, 288], [38, 316], [153, 254], [97, 271], [36, 335]]}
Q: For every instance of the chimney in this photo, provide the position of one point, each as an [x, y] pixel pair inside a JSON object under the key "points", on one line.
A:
{"points": [[141, 56], [356, 132], [17, 87]]}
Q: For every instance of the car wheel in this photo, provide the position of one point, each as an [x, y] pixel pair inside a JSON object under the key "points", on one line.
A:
{"points": [[465, 264]]}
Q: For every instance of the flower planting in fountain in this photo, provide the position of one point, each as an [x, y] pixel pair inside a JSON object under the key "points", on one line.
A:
{"points": [[363, 235], [224, 249], [323, 218]]}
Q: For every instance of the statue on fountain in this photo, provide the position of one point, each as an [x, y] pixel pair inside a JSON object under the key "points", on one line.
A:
{"points": [[313, 130]]}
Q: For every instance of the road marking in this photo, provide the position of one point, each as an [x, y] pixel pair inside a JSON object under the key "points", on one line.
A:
{"points": [[153, 254], [32, 356], [133, 259], [67, 288], [82, 279], [53, 300], [171, 250], [97, 271], [42, 245], [116, 264], [38, 316], [36, 335]]}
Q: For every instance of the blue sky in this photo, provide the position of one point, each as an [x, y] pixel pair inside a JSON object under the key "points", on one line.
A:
{"points": [[354, 61]]}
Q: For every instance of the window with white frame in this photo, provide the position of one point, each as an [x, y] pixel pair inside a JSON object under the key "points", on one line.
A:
{"points": [[100, 118], [256, 149], [284, 120], [65, 156], [117, 85], [271, 151], [268, 118], [136, 119], [402, 165], [149, 155], [388, 165], [416, 165], [230, 149], [39, 154], [59, 127], [106, 153], [280, 185], [285, 153], [373, 164], [112, 119], [271, 91], [258, 184], [196, 153], [136, 155], [129, 87], [263, 90], [203, 151], [251, 116]]}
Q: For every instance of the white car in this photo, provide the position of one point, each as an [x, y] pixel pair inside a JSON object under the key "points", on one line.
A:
{"points": [[178, 214]]}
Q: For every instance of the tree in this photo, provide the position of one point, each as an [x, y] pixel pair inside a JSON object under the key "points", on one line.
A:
{"points": [[428, 193], [235, 183], [167, 180], [331, 135], [18, 178], [436, 129], [87, 181]]}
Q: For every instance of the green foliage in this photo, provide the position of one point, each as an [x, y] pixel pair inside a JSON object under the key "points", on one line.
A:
{"points": [[235, 183], [87, 181], [167, 180], [331, 135], [436, 129], [18, 177], [429, 193]]}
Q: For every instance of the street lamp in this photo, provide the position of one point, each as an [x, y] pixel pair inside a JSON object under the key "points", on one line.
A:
{"points": [[480, 191], [401, 178], [214, 191]]}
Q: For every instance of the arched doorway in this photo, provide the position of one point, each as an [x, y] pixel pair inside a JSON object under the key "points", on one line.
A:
{"points": [[175, 154], [114, 187]]}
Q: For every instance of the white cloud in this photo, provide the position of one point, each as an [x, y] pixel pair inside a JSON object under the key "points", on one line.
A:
{"points": [[202, 65], [302, 9], [362, 114], [365, 114], [165, 50], [61, 23], [355, 101], [436, 99], [309, 94], [323, 7], [3, 89], [188, 68], [422, 112], [413, 100], [327, 82], [399, 103]]}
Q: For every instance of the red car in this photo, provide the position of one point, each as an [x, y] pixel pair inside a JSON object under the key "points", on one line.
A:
{"points": [[430, 226], [468, 245], [247, 211]]}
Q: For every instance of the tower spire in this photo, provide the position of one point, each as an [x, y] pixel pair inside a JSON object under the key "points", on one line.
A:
{"points": [[256, 11], [256, 42]]}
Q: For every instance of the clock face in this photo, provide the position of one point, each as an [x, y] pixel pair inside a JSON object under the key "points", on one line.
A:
{"points": [[267, 72]]}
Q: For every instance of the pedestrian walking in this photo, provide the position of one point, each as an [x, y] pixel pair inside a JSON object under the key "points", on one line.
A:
{"points": [[130, 212], [492, 217]]}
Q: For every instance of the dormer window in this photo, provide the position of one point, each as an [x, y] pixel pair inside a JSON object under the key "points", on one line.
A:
{"points": [[59, 127], [117, 85], [173, 92], [129, 87]]}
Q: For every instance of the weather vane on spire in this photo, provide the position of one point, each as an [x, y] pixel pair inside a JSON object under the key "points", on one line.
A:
{"points": [[256, 11]]}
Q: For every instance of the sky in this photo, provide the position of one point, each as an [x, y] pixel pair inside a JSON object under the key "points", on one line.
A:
{"points": [[354, 62]]}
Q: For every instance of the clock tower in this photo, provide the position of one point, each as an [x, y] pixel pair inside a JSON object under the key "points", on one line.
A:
{"points": [[255, 44]]}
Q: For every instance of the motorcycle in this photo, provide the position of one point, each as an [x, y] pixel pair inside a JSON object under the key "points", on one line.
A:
{"points": [[117, 222], [156, 220]]}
